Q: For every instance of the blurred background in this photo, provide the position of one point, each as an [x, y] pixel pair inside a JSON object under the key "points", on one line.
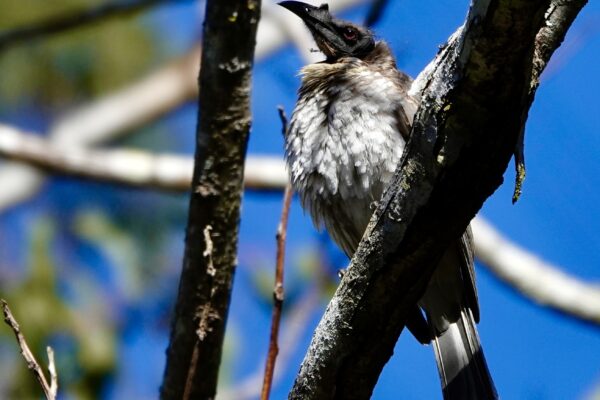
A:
{"points": [[91, 267]]}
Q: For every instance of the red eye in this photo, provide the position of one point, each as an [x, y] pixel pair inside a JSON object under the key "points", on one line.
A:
{"points": [[350, 34]]}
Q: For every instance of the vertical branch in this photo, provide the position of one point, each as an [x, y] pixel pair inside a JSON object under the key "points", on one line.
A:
{"points": [[278, 292], [50, 389], [195, 347], [278, 295]]}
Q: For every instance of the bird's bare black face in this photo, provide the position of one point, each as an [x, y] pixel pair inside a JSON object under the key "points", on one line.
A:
{"points": [[335, 38]]}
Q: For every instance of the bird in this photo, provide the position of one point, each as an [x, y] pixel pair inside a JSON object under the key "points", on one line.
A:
{"points": [[345, 138]]}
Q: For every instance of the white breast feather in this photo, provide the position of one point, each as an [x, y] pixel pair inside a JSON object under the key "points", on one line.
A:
{"points": [[347, 160]]}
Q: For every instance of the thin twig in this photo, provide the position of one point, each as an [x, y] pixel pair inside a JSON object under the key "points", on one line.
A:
{"points": [[52, 371], [296, 326], [278, 291], [51, 389], [278, 295], [73, 20]]}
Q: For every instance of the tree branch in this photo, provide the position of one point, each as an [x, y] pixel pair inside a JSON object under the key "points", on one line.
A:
{"points": [[524, 272], [128, 167], [194, 352], [278, 290], [559, 17], [54, 25], [50, 389], [472, 109], [278, 295], [297, 322]]}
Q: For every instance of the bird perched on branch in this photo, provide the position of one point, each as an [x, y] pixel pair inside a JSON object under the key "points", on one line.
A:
{"points": [[346, 137]]}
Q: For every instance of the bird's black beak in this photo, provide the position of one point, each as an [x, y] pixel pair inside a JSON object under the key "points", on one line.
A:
{"points": [[320, 23], [308, 12]]}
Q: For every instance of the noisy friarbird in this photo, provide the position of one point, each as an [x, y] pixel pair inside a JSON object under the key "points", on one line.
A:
{"points": [[346, 136]]}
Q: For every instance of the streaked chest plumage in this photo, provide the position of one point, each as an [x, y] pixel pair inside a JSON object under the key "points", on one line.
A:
{"points": [[344, 143]]}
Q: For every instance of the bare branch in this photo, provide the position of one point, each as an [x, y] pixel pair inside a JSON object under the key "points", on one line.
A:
{"points": [[127, 167], [542, 283], [50, 390], [278, 294], [198, 329], [297, 323], [52, 372], [74, 20], [278, 291]]}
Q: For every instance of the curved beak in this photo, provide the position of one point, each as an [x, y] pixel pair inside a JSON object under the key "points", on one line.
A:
{"points": [[308, 12], [320, 23]]}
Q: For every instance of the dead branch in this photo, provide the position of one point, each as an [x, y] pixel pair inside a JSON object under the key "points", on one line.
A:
{"points": [[278, 294], [128, 167], [297, 322], [50, 389], [278, 291]]}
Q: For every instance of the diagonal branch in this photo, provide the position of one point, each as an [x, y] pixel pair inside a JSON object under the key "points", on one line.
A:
{"points": [[472, 109], [50, 389], [198, 329], [74, 20]]}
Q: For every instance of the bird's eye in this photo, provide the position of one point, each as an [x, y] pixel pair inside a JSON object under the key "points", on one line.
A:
{"points": [[350, 34]]}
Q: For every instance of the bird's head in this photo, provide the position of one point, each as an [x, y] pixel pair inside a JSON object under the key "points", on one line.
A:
{"points": [[335, 38]]}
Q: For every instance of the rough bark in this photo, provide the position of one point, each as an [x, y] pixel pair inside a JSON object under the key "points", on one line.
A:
{"points": [[194, 352], [475, 100]]}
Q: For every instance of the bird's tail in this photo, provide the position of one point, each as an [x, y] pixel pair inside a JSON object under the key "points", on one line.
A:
{"points": [[461, 364]]}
